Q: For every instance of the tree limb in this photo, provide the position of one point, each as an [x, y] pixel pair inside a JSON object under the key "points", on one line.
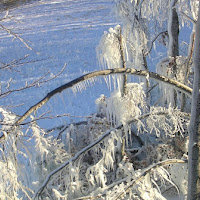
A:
{"points": [[183, 88]]}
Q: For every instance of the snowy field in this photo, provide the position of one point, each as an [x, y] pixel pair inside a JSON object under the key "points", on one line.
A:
{"points": [[59, 32]]}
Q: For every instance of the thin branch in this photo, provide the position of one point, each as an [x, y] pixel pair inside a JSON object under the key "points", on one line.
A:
{"points": [[53, 117], [16, 36], [34, 83], [152, 88], [189, 18], [67, 126], [155, 38], [17, 63]]}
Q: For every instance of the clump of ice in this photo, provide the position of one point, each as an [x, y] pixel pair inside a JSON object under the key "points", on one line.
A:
{"points": [[121, 109], [101, 105], [194, 9], [109, 54]]}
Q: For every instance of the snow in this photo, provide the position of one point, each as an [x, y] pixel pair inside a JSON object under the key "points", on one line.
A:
{"points": [[59, 32]]}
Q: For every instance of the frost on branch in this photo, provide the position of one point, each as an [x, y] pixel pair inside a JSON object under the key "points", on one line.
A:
{"points": [[109, 55], [132, 105], [12, 180], [165, 68], [47, 152], [134, 34]]}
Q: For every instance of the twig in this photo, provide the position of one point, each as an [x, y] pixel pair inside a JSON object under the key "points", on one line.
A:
{"points": [[67, 126], [16, 36], [53, 117], [155, 38], [16, 63], [189, 18], [33, 84], [152, 88]]}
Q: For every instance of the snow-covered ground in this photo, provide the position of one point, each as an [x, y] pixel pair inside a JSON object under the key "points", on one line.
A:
{"points": [[59, 32]]}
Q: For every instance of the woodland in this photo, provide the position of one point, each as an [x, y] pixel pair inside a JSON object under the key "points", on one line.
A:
{"points": [[143, 140]]}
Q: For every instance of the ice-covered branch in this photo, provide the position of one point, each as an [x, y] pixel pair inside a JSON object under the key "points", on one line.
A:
{"points": [[148, 170], [78, 154], [189, 18], [183, 88], [141, 176]]}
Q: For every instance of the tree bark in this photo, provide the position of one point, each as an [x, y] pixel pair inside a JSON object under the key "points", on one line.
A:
{"points": [[194, 127], [173, 30]]}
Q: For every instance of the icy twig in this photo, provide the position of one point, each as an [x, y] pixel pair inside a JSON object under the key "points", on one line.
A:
{"points": [[155, 38], [53, 117], [16, 36], [35, 83], [189, 18]]}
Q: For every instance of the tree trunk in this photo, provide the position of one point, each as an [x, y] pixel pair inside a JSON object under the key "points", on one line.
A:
{"points": [[173, 30], [194, 128], [173, 49]]}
